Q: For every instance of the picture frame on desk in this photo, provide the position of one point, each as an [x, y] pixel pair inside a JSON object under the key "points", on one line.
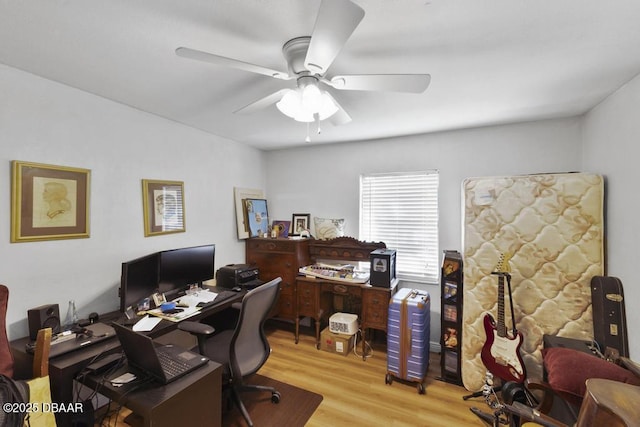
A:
{"points": [[163, 206], [281, 228], [49, 202], [299, 223]]}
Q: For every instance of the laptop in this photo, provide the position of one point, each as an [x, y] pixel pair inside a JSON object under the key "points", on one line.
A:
{"points": [[165, 363]]}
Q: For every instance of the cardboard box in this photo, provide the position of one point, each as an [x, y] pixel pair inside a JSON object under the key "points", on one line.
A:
{"points": [[336, 343]]}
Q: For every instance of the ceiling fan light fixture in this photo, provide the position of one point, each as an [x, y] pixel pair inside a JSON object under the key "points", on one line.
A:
{"points": [[303, 104], [327, 106], [289, 104]]}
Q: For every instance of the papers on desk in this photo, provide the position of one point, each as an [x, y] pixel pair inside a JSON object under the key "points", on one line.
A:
{"points": [[339, 272], [192, 300], [175, 317], [146, 324], [187, 304]]}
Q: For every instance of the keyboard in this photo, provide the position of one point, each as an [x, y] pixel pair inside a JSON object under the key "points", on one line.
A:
{"points": [[225, 295], [171, 366]]}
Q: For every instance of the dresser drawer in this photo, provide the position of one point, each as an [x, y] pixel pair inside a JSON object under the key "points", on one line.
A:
{"points": [[307, 299], [375, 308], [271, 245], [287, 287], [286, 306], [272, 266]]}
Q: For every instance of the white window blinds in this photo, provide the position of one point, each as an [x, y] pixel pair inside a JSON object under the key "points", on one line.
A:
{"points": [[401, 210]]}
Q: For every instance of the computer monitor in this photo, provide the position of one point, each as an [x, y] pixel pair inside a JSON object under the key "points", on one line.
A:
{"points": [[139, 280], [181, 267]]}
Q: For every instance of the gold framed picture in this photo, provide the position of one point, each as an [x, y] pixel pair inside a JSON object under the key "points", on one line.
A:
{"points": [[49, 202], [163, 205]]}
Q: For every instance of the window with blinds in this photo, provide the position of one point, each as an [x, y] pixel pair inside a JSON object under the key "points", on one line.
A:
{"points": [[401, 210]]}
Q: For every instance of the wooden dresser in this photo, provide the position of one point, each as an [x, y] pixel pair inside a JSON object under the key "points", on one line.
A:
{"points": [[319, 298], [279, 258]]}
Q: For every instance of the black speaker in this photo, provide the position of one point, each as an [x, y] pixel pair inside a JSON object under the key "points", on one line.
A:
{"points": [[45, 316]]}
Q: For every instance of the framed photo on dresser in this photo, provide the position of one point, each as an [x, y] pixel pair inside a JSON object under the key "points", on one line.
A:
{"points": [[240, 195], [257, 217], [299, 223]]}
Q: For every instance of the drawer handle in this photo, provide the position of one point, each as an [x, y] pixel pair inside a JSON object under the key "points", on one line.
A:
{"points": [[340, 289]]}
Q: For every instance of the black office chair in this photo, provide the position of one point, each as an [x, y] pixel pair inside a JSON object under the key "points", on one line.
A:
{"points": [[243, 350]]}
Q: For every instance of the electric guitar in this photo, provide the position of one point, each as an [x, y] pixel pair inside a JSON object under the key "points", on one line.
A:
{"points": [[501, 351]]}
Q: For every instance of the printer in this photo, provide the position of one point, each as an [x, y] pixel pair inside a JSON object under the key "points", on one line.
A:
{"points": [[242, 275]]}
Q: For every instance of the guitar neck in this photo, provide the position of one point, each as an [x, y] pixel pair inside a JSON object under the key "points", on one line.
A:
{"points": [[501, 327]]}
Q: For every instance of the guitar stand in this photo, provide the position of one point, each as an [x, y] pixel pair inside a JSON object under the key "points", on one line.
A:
{"points": [[488, 390], [482, 393], [494, 420]]}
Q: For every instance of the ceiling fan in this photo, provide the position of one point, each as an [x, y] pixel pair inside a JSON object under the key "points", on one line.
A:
{"points": [[308, 59]]}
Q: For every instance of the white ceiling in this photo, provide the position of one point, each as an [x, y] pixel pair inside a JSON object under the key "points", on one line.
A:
{"points": [[490, 61]]}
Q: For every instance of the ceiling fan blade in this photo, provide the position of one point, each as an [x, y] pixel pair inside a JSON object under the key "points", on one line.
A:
{"points": [[198, 55], [262, 102], [413, 83], [340, 117], [336, 21]]}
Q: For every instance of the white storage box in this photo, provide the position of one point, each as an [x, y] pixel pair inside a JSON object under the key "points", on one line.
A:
{"points": [[343, 323]]}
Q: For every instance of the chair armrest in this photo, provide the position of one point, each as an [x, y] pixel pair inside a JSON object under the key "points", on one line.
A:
{"points": [[531, 414], [196, 328], [546, 401], [41, 353], [631, 365]]}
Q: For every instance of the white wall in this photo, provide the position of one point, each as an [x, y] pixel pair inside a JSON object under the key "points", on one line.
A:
{"points": [[612, 148], [45, 122], [42, 121], [323, 180]]}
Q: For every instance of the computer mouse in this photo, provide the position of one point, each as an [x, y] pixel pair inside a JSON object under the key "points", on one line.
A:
{"points": [[236, 289]]}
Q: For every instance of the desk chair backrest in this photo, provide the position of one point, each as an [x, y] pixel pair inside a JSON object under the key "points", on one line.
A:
{"points": [[249, 346]]}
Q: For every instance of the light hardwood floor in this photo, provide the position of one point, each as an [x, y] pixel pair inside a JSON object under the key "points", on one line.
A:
{"points": [[355, 392]]}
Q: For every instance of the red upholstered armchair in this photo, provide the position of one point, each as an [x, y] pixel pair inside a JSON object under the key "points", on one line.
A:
{"points": [[567, 371], [6, 357]]}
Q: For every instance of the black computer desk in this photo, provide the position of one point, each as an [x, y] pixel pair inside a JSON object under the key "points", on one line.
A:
{"points": [[192, 400], [63, 369]]}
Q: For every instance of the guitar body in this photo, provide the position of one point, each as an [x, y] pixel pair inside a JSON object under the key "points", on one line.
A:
{"points": [[501, 354]]}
